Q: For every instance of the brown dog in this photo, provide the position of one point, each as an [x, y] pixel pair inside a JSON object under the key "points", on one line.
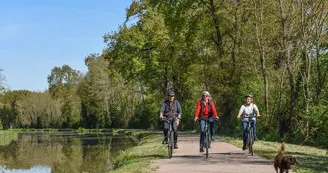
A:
{"points": [[282, 162]]}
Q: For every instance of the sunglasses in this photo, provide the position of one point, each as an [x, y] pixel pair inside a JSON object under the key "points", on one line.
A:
{"points": [[205, 95]]}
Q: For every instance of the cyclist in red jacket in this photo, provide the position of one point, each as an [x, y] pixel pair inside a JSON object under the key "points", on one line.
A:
{"points": [[205, 109]]}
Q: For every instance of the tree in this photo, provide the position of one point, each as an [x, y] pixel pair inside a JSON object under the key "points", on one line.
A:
{"points": [[2, 82], [63, 82], [39, 110], [9, 109]]}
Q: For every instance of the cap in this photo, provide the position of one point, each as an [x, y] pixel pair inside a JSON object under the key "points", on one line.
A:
{"points": [[170, 93]]}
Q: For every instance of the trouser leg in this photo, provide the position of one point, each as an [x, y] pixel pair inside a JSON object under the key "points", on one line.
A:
{"points": [[202, 133]]}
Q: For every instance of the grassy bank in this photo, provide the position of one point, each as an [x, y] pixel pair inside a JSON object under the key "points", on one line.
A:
{"points": [[138, 159], [6, 136], [312, 160]]}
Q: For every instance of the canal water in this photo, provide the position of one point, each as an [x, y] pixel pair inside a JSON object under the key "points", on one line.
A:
{"points": [[62, 152]]}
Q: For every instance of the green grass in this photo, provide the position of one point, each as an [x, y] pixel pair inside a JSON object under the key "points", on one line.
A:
{"points": [[311, 159], [138, 159], [6, 136]]}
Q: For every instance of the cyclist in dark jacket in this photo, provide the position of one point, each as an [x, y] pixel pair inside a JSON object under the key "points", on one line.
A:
{"points": [[171, 108]]}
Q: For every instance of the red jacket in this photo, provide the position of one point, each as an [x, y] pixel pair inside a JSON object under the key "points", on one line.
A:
{"points": [[206, 110]]}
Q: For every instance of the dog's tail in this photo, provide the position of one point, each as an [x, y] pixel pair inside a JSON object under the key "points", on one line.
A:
{"points": [[283, 148]]}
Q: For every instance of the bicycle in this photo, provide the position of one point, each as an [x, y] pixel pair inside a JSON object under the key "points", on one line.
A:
{"points": [[170, 134], [207, 140], [250, 134]]}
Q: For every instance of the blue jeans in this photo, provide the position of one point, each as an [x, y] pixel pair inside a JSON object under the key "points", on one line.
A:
{"points": [[244, 125], [202, 128]]}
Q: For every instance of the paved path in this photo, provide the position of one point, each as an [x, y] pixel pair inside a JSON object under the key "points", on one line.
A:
{"points": [[223, 157]]}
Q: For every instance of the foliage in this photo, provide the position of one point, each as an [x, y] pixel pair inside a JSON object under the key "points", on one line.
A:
{"points": [[275, 50], [138, 158]]}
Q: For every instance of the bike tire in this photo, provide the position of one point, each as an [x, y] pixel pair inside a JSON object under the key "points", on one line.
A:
{"points": [[170, 144], [207, 143], [251, 142]]}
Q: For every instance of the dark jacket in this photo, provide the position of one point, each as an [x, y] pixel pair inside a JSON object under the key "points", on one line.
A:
{"points": [[171, 109]]}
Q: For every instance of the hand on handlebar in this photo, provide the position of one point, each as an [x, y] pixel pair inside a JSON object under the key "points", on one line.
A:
{"points": [[196, 118]]}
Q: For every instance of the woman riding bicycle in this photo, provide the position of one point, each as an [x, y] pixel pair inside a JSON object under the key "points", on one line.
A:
{"points": [[205, 109], [246, 110]]}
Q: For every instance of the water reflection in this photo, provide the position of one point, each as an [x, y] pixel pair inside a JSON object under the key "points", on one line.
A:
{"points": [[61, 152]]}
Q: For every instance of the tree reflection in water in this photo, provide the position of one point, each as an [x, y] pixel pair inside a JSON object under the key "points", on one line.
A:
{"points": [[61, 152]]}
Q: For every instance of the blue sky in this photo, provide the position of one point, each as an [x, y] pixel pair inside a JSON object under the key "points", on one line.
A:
{"points": [[37, 35]]}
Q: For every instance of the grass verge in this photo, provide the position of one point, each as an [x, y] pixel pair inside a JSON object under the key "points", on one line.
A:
{"points": [[6, 136], [138, 159], [312, 160]]}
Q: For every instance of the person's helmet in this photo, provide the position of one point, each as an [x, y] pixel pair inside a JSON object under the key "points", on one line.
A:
{"points": [[249, 95], [170, 93]]}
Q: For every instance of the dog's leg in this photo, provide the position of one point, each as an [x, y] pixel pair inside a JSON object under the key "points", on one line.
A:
{"points": [[281, 170], [276, 168]]}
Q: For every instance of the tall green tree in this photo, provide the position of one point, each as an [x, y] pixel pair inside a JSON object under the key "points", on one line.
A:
{"points": [[63, 82], [39, 110]]}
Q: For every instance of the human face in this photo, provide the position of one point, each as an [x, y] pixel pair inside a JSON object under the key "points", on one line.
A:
{"points": [[249, 100], [171, 98], [205, 97]]}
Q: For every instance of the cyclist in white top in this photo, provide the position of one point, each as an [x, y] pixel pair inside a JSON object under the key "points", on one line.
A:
{"points": [[248, 109]]}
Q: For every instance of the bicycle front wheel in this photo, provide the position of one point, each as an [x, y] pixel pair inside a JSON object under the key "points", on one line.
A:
{"points": [[207, 142], [170, 144], [250, 141]]}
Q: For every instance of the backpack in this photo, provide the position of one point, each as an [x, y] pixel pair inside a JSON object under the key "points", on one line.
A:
{"points": [[246, 115]]}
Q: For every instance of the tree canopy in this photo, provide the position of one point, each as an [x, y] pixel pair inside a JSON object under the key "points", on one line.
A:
{"points": [[275, 50]]}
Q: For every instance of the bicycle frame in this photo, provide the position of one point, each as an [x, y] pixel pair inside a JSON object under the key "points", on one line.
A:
{"points": [[250, 135], [170, 132], [207, 140]]}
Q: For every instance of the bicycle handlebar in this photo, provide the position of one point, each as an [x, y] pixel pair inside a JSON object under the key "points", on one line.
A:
{"points": [[170, 119], [210, 118], [248, 118]]}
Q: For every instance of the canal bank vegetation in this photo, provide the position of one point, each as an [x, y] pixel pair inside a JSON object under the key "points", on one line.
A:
{"points": [[7, 136], [138, 159], [275, 50], [311, 159]]}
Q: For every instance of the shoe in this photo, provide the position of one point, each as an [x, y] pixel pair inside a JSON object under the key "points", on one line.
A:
{"points": [[176, 146], [164, 141], [255, 138], [201, 149], [244, 148]]}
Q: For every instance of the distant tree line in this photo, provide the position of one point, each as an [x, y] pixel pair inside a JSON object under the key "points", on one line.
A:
{"points": [[275, 50]]}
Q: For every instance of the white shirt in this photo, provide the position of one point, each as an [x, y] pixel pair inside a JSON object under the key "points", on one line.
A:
{"points": [[248, 109]]}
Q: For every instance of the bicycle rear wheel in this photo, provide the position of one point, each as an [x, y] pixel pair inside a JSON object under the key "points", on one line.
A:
{"points": [[170, 144]]}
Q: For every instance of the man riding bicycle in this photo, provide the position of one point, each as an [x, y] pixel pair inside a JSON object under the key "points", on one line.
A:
{"points": [[248, 110], [171, 108], [205, 109]]}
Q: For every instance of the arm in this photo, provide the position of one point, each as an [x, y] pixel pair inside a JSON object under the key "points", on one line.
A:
{"points": [[214, 110], [179, 110], [257, 111], [161, 111], [197, 111], [240, 111]]}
